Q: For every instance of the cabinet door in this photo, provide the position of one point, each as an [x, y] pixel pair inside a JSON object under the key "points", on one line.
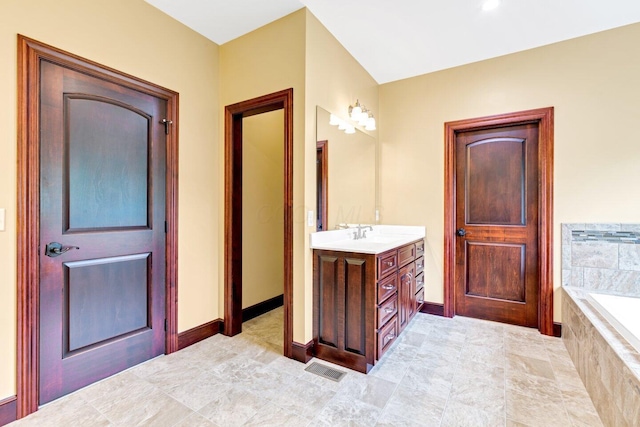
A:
{"points": [[407, 294], [345, 308]]}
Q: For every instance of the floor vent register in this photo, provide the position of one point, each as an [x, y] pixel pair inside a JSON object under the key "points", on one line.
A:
{"points": [[325, 371]]}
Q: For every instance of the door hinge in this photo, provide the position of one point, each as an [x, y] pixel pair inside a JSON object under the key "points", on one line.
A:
{"points": [[166, 227], [165, 325], [166, 124]]}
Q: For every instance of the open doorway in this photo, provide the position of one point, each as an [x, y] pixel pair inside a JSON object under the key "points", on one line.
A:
{"points": [[237, 251]]}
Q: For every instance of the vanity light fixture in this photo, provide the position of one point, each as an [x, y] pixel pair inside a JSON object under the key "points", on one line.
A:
{"points": [[357, 113]]}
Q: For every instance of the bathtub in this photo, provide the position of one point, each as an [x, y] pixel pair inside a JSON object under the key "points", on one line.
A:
{"points": [[601, 334], [622, 312]]}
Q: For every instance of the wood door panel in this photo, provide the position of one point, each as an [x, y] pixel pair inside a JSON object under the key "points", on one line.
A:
{"points": [[111, 288], [406, 295], [102, 189], [496, 271], [355, 305], [111, 194], [328, 281], [495, 181]]}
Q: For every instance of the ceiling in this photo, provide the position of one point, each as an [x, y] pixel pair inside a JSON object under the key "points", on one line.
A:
{"points": [[406, 38]]}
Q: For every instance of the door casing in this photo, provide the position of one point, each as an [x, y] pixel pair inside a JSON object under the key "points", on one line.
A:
{"points": [[30, 54], [544, 118], [322, 171], [233, 209]]}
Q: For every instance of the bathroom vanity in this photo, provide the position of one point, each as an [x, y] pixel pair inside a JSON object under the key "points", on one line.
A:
{"points": [[365, 292]]}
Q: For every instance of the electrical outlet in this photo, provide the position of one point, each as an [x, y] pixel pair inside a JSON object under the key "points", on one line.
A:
{"points": [[377, 215], [310, 219], [2, 215]]}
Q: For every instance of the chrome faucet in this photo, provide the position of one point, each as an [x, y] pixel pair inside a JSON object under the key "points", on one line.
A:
{"points": [[361, 232]]}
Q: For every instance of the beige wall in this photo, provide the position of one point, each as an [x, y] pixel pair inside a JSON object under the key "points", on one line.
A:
{"points": [[594, 84], [264, 61], [334, 80], [135, 38], [262, 207]]}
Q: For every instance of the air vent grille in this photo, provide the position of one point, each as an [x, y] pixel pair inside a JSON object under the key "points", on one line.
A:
{"points": [[325, 371]]}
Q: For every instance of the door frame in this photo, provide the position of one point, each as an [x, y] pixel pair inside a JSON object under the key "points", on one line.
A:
{"points": [[30, 54], [282, 100], [544, 118], [322, 147]]}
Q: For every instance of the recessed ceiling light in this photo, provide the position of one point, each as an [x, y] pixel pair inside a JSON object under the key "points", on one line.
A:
{"points": [[490, 4]]}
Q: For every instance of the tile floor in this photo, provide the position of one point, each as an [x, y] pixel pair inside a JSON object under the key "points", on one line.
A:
{"points": [[441, 372]]}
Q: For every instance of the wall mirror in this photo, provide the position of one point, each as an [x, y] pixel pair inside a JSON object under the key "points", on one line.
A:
{"points": [[345, 175]]}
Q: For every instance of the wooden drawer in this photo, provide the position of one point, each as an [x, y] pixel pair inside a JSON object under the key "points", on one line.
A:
{"points": [[387, 263], [387, 310], [419, 281], [387, 287], [419, 299], [406, 254], [387, 335], [419, 265], [420, 248]]}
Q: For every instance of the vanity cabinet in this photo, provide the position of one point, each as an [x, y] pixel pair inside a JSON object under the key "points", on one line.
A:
{"points": [[362, 302]]}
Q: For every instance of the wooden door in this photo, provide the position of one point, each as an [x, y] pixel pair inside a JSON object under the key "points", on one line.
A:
{"points": [[102, 198], [496, 248]]}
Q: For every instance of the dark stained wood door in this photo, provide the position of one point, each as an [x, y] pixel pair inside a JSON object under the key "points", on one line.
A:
{"points": [[496, 249], [102, 304]]}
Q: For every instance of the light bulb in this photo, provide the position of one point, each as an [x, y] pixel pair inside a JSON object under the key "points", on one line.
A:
{"points": [[356, 111], [342, 125], [362, 119], [350, 129], [371, 123], [334, 120]]}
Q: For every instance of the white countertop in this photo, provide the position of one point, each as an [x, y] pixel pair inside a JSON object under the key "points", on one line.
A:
{"points": [[381, 239]]}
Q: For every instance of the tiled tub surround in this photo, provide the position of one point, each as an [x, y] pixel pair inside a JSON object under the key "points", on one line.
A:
{"points": [[602, 258], [608, 365]]}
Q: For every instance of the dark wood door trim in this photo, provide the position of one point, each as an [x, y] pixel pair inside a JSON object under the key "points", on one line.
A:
{"points": [[30, 55], [544, 118], [233, 209], [322, 148]]}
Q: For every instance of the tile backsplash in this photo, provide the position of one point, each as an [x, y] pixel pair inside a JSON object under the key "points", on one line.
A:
{"points": [[602, 257]]}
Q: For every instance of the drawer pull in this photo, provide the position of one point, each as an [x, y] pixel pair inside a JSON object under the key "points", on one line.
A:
{"points": [[388, 287], [389, 338], [388, 263], [420, 301], [388, 310]]}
